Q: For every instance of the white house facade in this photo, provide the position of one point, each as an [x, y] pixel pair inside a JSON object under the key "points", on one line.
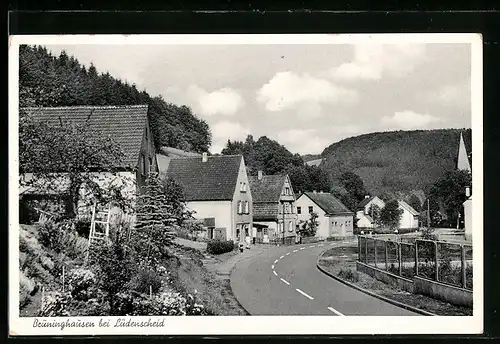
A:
{"points": [[334, 218], [409, 217]]}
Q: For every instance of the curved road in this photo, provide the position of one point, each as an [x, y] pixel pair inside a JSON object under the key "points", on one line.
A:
{"points": [[285, 281]]}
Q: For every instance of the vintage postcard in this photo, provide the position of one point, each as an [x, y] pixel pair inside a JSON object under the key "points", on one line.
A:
{"points": [[245, 184]]}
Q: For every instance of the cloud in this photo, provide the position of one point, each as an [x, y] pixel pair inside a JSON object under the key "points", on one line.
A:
{"points": [[302, 141], [409, 120], [372, 61], [456, 95], [289, 90], [225, 130], [225, 101]]}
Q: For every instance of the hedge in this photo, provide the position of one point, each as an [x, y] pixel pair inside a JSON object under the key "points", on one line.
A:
{"points": [[219, 246]]}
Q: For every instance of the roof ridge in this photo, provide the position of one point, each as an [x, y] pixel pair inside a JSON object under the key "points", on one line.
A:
{"points": [[87, 107]]}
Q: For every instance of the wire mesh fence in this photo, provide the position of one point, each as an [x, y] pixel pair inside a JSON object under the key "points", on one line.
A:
{"points": [[445, 262], [407, 259]]}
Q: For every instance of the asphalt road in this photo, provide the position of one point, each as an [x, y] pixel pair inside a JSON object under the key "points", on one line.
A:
{"points": [[285, 281]]}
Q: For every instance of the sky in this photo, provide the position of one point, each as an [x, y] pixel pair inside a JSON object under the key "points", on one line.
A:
{"points": [[304, 96]]}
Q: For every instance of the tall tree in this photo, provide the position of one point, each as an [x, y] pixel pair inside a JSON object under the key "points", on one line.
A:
{"points": [[449, 190], [390, 215]]}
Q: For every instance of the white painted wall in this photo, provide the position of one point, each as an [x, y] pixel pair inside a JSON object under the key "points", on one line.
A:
{"points": [[221, 210], [304, 202], [407, 219], [363, 222], [468, 217]]}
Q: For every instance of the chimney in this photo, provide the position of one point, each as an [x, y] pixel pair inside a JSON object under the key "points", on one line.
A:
{"points": [[367, 196], [259, 175], [467, 191], [204, 157]]}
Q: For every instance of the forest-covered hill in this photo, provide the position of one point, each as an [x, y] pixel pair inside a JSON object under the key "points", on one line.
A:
{"points": [[47, 80], [400, 161]]}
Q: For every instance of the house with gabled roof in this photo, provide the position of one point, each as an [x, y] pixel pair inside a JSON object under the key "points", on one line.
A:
{"points": [[274, 216], [216, 187], [409, 216], [127, 125], [335, 219], [363, 208]]}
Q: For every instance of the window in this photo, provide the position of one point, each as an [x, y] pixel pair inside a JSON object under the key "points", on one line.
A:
{"points": [[290, 226], [238, 232], [151, 165], [243, 187], [265, 231], [246, 231], [299, 210], [240, 207], [310, 209], [247, 208], [287, 191]]}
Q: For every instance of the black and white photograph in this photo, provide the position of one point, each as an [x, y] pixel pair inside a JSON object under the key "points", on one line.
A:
{"points": [[169, 184]]}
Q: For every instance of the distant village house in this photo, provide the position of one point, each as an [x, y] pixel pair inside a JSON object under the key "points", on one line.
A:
{"points": [[335, 219]]}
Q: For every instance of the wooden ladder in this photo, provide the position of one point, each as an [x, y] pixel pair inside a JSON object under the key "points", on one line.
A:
{"points": [[99, 225]]}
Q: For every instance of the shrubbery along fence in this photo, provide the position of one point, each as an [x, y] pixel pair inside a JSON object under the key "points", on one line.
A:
{"points": [[445, 262]]}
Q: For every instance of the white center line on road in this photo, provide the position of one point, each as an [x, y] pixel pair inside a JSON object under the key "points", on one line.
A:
{"points": [[302, 248], [272, 267], [282, 257], [282, 280], [288, 254], [275, 261], [335, 311], [308, 296], [294, 250], [275, 274]]}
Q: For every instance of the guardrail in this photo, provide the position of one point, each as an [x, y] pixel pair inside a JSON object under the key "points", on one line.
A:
{"points": [[440, 261]]}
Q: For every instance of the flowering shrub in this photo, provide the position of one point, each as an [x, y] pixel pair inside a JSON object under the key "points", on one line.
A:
{"points": [[145, 278], [82, 284], [55, 304], [168, 303]]}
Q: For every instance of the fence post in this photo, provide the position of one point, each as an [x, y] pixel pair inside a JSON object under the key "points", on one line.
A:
{"points": [[463, 266], [375, 252], [359, 248], [416, 257], [366, 250], [436, 260], [385, 256], [400, 260]]}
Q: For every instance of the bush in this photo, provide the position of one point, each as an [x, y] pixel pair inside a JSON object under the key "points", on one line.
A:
{"points": [[55, 304], [26, 289], [50, 236], [167, 303], [349, 275], [145, 278], [220, 246], [81, 283], [27, 214]]}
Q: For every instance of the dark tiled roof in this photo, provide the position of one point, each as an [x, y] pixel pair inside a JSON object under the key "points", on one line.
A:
{"points": [[125, 124], [268, 189], [364, 202], [328, 203], [265, 211], [213, 180]]}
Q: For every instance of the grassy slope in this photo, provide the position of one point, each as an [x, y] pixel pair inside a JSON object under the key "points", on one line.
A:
{"points": [[396, 161]]}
